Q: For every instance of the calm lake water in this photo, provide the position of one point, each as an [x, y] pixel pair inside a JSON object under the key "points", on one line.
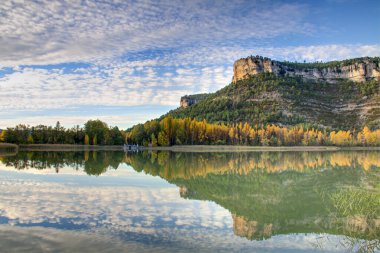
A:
{"points": [[190, 202]]}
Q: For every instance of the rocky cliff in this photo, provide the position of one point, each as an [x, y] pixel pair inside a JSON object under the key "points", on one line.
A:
{"points": [[358, 70]]}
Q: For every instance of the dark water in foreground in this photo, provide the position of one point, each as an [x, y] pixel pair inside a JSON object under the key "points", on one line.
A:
{"points": [[190, 202]]}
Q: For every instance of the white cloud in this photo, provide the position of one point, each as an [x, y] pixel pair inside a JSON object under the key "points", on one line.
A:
{"points": [[225, 56], [323, 52], [33, 88], [45, 32]]}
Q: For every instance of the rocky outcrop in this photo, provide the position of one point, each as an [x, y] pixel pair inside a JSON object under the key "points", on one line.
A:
{"points": [[189, 100], [358, 70], [186, 101]]}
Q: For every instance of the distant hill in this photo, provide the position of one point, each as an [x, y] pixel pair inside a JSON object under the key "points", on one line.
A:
{"points": [[339, 94]]}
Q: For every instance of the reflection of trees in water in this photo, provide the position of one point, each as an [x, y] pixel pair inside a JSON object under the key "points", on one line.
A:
{"points": [[93, 162], [280, 193], [101, 161], [187, 165]]}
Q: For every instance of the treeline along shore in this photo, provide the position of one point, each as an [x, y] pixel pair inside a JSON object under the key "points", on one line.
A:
{"points": [[179, 133], [94, 132]]}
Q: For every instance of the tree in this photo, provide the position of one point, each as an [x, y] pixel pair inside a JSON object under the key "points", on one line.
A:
{"points": [[154, 140], [86, 140], [168, 130], [115, 136], [30, 139], [2, 136], [97, 128], [162, 139], [94, 140]]}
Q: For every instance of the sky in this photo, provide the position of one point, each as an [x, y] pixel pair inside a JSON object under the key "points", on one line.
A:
{"points": [[125, 62]]}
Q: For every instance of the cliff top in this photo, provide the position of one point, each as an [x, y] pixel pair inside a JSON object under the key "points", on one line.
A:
{"points": [[357, 69], [318, 64]]}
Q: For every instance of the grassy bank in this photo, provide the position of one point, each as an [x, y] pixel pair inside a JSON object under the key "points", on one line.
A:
{"points": [[67, 147], [8, 149], [5, 147], [227, 148]]}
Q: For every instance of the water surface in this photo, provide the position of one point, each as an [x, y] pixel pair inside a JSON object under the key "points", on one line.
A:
{"points": [[190, 202]]}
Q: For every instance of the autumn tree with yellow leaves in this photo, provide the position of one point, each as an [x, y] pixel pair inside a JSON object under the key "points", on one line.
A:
{"points": [[171, 131]]}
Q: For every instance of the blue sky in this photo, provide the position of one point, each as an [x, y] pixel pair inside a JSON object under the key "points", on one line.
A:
{"points": [[125, 62]]}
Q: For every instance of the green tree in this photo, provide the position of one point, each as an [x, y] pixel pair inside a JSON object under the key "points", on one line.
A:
{"points": [[2, 136], [154, 140], [137, 134], [168, 130], [116, 137], [30, 139], [97, 128], [162, 139]]}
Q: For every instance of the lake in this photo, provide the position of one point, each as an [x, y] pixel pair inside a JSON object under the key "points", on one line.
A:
{"points": [[190, 202]]}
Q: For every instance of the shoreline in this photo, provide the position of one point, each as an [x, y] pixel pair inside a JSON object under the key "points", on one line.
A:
{"points": [[6, 147], [228, 148], [179, 148], [67, 147]]}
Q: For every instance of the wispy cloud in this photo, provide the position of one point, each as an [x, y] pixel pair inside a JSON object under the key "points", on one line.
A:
{"points": [[117, 85], [44, 32], [112, 120]]}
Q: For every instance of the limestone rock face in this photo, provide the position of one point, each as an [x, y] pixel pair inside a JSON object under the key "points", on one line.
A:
{"points": [[359, 71], [250, 66]]}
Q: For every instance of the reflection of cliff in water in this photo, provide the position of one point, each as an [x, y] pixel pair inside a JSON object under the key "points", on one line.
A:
{"points": [[279, 193], [92, 162]]}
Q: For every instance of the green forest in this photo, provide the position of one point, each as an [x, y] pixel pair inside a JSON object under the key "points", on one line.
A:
{"points": [[94, 132]]}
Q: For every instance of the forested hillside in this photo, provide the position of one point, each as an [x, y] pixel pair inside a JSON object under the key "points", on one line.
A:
{"points": [[266, 98], [278, 103]]}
